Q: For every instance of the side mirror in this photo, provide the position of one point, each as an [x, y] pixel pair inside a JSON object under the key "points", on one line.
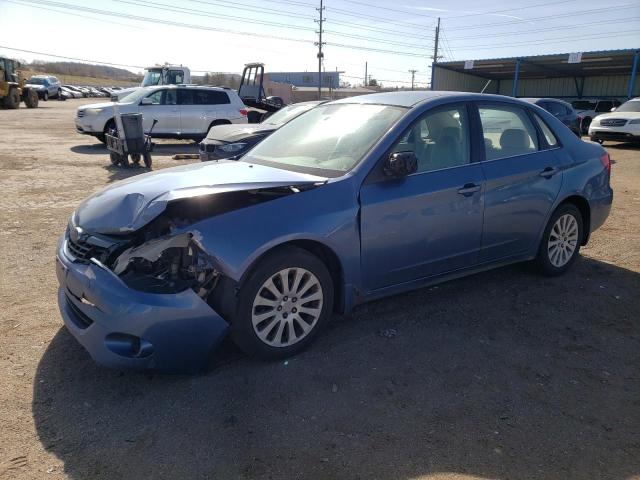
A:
{"points": [[146, 101], [613, 109], [401, 164]]}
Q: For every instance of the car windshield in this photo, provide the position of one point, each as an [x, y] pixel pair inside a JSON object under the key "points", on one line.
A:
{"points": [[329, 140], [36, 81], [152, 77], [134, 96], [583, 105], [286, 114], [630, 106]]}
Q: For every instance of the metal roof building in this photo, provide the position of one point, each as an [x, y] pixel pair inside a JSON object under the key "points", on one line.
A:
{"points": [[606, 74]]}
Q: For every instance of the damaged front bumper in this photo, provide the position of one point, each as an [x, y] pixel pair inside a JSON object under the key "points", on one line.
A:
{"points": [[122, 327]]}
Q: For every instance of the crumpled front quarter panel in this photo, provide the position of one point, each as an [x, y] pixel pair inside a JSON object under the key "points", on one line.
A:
{"points": [[327, 214]]}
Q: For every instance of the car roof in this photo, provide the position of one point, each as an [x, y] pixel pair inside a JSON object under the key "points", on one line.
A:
{"points": [[191, 87], [413, 98], [546, 99]]}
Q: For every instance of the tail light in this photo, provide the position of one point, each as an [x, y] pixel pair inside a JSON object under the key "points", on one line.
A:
{"points": [[243, 112], [606, 162]]}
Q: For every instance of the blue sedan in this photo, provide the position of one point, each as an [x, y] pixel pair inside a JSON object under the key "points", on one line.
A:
{"points": [[362, 198]]}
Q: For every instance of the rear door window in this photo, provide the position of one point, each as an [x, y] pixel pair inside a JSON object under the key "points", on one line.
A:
{"points": [[507, 131], [185, 96]]}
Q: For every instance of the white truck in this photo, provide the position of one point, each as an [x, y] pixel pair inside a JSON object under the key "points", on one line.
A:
{"points": [[158, 75]]}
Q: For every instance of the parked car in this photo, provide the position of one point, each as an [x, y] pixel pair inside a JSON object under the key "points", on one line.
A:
{"points": [[46, 86], [70, 93], [621, 125], [95, 92], [562, 110], [77, 90], [182, 112], [233, 141], [355, 200], [588, 109], [277, 101]]}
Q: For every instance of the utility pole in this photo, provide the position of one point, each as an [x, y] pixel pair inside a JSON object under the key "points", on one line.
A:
{"points": [[365, 73], [413, 76], [320, 43], [435, 53]]}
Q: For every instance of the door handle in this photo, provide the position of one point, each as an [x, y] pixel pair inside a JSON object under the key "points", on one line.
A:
{"points": [[549, 172], [469, 189]]}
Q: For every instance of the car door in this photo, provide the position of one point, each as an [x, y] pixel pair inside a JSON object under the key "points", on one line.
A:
{"points": [[523, 179], [190, 113], [163, 108], [429, 222]]}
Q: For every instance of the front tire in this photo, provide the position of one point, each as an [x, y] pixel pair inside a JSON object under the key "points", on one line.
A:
{"points": [[561, 241], [31, 99], [12, 100], [283, 304], [45, 96]]}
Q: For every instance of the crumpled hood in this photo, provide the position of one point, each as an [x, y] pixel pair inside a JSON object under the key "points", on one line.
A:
{"points": [[236, 132], [130, 204]]}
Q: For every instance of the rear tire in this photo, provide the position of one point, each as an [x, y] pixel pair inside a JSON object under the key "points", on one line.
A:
{"points": [[561, 241], [12, 100], [283, 304]]}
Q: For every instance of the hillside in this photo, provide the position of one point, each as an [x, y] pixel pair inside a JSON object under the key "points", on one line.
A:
{"points": [[75, 73]]}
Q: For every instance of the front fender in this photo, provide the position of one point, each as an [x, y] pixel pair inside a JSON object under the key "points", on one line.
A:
{"points": [[327, 214]]}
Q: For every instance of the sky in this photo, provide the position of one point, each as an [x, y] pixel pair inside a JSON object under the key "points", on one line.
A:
{"points": [[392, 37]]}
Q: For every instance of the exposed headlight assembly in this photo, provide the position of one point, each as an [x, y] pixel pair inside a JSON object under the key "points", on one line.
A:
{"points": [[231, 147], [168, 264]]}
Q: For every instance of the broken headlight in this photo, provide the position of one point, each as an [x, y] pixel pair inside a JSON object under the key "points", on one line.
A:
{"points": [[168, 264]]}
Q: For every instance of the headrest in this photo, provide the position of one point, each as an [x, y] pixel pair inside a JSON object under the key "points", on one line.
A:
{"points": [[452, 132], [514, 138]]}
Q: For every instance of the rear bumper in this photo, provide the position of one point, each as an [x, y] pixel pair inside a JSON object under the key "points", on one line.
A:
{"points": [[121, 327]]}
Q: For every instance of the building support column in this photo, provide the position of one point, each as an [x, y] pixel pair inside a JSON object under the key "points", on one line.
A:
{"points": [[516, 77], [634, 73]]}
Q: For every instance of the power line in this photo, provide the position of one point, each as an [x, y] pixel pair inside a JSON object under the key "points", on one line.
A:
{"points": [[190, 11], [394, 9], [349, 13], [492, 12], [554, 40], [111, 64], [625, 6], [546, 29]]}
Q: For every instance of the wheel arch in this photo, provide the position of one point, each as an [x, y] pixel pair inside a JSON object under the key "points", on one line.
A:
{"points": [[320, 250], [582, 204]]}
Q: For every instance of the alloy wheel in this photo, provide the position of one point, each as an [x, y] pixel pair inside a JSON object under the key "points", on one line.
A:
{"points": [[287, 307], [563, 240]]}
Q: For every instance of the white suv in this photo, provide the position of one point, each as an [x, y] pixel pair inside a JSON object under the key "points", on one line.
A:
{"points": [[621, 125], [182, 111]]}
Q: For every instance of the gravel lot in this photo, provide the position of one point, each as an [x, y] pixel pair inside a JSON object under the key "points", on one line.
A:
{"points": [[501, 375]]}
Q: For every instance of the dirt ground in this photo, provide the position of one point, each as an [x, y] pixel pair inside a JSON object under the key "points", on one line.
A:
{"points": [[501, 375]]}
